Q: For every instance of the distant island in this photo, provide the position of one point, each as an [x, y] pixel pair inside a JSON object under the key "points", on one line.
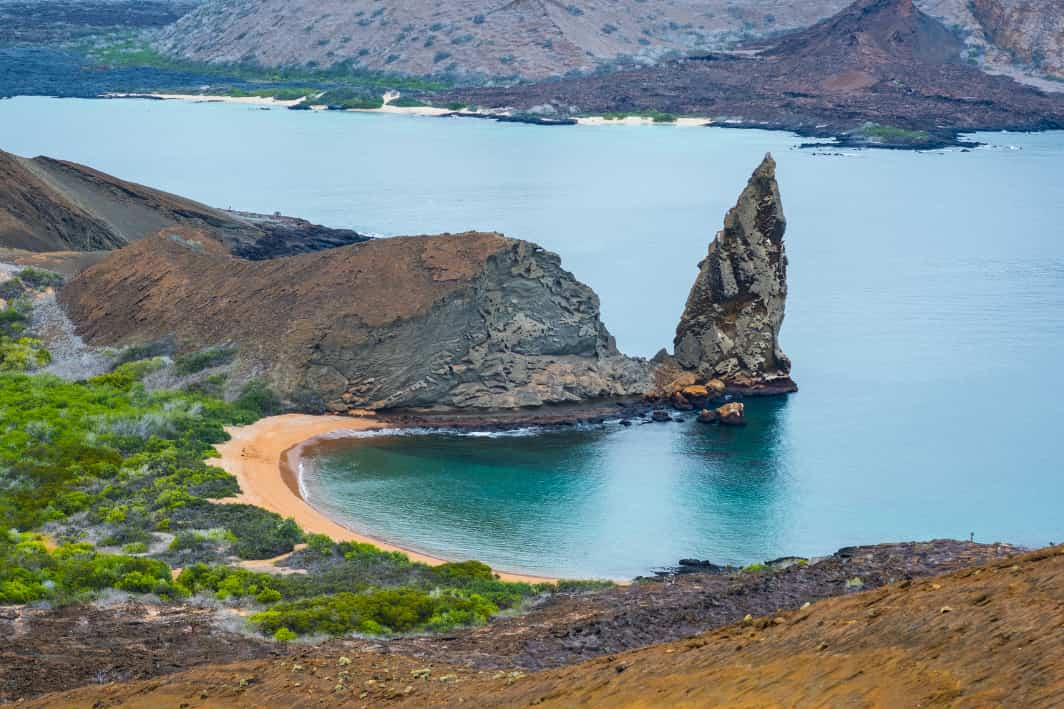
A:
{"points": [[875, 73]]}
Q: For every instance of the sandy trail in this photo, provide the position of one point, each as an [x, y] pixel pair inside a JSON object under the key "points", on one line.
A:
{"points": [[264, 456]]}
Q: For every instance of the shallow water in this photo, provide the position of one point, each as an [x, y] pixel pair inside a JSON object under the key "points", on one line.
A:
{"points": [[925, 321]]}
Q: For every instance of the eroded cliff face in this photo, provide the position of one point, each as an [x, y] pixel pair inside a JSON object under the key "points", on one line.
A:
{"points": [[730, 327], [1018, 37], [457, 320]]}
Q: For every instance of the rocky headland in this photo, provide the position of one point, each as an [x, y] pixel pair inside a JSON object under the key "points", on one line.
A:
{"points": [[456, 320], [465, 329], [49, 205]]}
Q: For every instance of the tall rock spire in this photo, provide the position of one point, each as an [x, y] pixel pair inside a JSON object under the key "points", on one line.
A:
{"points": [[730, 327]]}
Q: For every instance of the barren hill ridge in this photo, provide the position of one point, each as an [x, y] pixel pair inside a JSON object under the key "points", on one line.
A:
{"points": [[534, 39]]}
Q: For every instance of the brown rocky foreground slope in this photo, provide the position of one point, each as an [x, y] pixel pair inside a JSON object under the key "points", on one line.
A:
{"points": [[457, 320], [981, 636], [881, 62], [56, 205]]}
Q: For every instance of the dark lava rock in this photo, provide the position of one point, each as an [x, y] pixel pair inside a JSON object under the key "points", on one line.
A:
{"points": [[708, 416]]}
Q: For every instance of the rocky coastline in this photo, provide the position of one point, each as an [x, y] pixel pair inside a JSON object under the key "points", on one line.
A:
{"points": [[507, 337]]}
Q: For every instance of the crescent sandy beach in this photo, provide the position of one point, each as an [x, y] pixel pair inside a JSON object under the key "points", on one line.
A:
{"points": [[264, 458]]}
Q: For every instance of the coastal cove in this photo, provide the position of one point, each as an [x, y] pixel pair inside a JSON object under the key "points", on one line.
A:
{"points": [[926, 298], [265, 458]]}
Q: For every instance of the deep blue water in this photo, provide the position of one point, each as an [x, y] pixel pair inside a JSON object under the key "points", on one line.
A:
{"points": [[925, 322]]}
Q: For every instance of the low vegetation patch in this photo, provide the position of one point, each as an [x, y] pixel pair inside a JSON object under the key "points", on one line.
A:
{"points": [[203, 359], [347, 99], [18, 351], [281, 93], [655, 116], [407, 102], [132, 50], [893, 134]]}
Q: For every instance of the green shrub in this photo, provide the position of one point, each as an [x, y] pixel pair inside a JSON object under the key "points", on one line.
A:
{"points": [[582, 585], [348, 98], [40, 278], [281, 93], [160, 348], [11, 289], [22, 355], [464, 571], [257, 398], [30, 572], [13, 321], [407, 102], [204, 359], [380, 612], [893, 134]]}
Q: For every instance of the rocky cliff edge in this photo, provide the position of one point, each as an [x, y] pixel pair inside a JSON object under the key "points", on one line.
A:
{"points": [[473, 320]]}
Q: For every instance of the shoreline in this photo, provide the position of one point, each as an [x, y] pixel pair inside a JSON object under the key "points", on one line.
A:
{"points": [[264, 456], [939, 138], [433, 111]]}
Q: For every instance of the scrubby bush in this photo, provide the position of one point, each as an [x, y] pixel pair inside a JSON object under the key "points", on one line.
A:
{"points": [[257, 398], [464, 571], [151, 350], [22, 354], [381, 612], [39, 278], [407, 102], [29, 571], [348, 98], [203, 359], [12, 288]]}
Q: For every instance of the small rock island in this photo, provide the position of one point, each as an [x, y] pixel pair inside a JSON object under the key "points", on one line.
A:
{"points": [[730, 327]]}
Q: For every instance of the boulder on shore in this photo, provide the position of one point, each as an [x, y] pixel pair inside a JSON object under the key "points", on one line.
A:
{"points": [[708, 416], [730, 327], [733, 414]]}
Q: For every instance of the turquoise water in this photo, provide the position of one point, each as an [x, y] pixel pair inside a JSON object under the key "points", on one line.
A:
{"points": [[926, 324]]}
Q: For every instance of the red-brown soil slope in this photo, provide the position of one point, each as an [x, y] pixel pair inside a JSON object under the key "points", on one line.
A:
{"points": [[494, 322], [991, 635]]}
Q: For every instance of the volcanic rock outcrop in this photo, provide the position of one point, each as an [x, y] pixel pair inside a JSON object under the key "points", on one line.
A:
{"points": [[456, 320], [730, 327], [55, 205]]}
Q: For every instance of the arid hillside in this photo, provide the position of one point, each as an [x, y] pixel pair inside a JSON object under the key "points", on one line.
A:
{"points": [[535, 39], [882, 62], [473, 38], [56, 205], [459, 320], [989, 635], [1012, 36]]}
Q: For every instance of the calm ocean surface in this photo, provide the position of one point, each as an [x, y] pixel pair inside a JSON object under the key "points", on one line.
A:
{"points": [[925, 322]]}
